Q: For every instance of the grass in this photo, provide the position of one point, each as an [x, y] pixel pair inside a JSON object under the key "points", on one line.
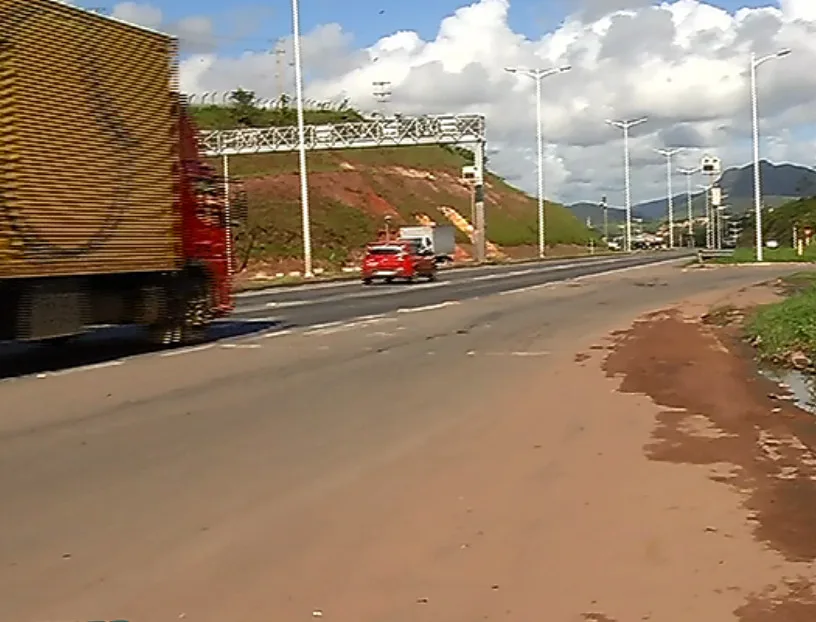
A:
{"points": [[785, 327], [782, 254]]}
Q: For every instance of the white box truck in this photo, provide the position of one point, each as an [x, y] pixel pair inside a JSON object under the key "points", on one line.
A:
{"points": [[441, 239]]}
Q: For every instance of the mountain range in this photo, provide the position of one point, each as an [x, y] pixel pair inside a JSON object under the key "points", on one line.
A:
{"points": [[780, 183]]}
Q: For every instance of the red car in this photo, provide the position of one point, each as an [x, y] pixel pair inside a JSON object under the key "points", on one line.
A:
{"points": [[397, 260]]}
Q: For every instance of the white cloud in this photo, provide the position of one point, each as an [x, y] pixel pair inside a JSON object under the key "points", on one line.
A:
{"points": [[195, 33], [682, 63]]}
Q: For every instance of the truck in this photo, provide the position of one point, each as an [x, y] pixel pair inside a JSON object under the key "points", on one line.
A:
{"points": [[108, 213], [441, 239]]}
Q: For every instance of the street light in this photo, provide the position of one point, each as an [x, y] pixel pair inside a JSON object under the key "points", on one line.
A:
{"points": [[709, 225], [668, 153], [756, 62], [626, 126], [688, 172], [304, 183], [538, 75]]}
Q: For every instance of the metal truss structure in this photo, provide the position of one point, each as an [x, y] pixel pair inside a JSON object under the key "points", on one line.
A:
{"points": [[378, 132]]}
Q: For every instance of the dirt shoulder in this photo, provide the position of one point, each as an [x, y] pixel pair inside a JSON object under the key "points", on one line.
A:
{"points": [[720, 416]]}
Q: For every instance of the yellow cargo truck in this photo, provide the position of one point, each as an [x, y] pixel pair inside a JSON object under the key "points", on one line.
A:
{"points": [[107, 213]]}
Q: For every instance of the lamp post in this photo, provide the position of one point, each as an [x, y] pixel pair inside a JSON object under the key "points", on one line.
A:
{"points": [[668, 153], [756, 62], [709, 226], [626, 125], [688, 172], [304, 181], [538, 75]]}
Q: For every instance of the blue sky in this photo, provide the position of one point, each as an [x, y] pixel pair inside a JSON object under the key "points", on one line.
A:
{"points": [[252, 25]]}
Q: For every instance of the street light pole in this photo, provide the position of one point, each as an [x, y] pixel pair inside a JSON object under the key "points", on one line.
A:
{"points": [[304, 180], [709, 227], [755, 63], [688, 172], [668, 153], [538, 75], [626, 125]]}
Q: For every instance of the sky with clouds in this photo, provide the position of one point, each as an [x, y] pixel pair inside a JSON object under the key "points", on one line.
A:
{"points": [[682, 63]]}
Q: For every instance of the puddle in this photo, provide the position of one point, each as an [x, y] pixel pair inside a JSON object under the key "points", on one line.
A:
{"points": [[801, 386]]}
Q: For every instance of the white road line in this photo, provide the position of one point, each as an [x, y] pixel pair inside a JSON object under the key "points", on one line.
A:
{"points": [[364, 294], [397, 289], [303, 288], [335, 327], [277, 333], [319, 327], [200, 348], [440, 305], [529, 288], [240, 346], [629, 268], [501, 275], [590, 276], [73, 370]]}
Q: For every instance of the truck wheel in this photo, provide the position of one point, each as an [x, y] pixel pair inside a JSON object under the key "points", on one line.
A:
{"points": [[368, 281], [189, 320], [197, 314]]}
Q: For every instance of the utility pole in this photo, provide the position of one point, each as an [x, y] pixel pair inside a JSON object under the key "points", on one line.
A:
{"points": [[605, 209], [627, 125], [304, 181], [382, 93], [538, 75], [280, 53], [668, 153], [755, 63], [688, 172]]}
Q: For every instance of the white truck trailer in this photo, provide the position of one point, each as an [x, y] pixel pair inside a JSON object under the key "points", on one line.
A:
{"points": [[440, 238]]}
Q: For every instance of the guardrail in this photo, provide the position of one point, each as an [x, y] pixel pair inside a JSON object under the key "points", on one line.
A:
{"points": [[713, 253]]}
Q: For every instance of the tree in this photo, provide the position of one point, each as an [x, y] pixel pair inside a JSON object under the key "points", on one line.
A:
{"points": [[244, 107]]}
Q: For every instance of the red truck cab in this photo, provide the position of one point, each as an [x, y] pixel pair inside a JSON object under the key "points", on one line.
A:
{"points": [[206, 231], [397, 260]]}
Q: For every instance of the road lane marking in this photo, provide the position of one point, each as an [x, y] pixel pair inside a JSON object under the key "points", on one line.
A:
{"points": [[578, 279], [276, 333], [72, 370], [629, 268], [335, 327], [440, 305], [319, 327], [189, 350], [369, 293], [529, 288], [373, 292]]}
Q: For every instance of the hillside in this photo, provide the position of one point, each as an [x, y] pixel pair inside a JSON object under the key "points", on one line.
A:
{"points": [[353, 190], [780, 184], [778, 222], [595, 213]]}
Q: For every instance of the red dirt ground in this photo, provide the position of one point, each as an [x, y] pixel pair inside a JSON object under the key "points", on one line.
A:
{"points": [[719, 415]]}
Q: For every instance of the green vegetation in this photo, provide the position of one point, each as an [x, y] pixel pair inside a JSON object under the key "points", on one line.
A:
{"points": [[778, 222], [787, 327], [783, 254], [352, 189]]}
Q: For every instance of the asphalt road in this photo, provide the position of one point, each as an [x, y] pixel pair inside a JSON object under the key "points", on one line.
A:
{"points": [[299, 308], [284, 474]]}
